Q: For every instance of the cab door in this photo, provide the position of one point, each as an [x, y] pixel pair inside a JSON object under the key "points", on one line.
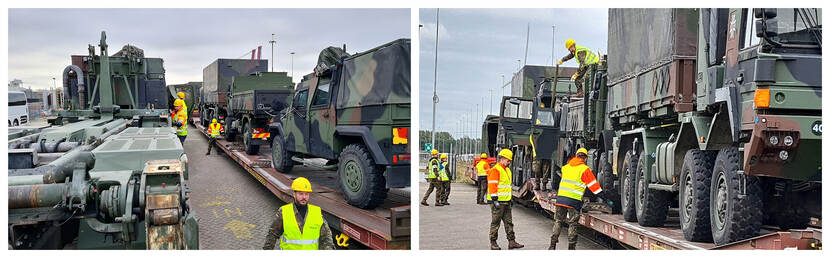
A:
{"points": [[296, 123], [322, 119]]}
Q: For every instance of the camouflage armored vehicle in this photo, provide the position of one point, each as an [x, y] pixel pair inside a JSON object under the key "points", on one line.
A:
{"points": [[719, 116], [254, 100], [109, 174], [354, 111]]}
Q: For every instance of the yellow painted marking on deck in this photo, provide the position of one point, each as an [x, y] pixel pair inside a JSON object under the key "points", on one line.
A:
{"points": [[214, 203], [215, 214], [228, 212], [240, 229]]}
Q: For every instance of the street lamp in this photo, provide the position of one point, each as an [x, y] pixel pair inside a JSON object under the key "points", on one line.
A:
{"points": [[272, 51], [292, 65]]}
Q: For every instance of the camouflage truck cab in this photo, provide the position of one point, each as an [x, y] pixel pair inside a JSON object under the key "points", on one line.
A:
{"points": [[353, 110]]}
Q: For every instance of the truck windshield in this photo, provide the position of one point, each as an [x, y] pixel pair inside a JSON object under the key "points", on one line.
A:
{"points": [[798, 25], [515, 108]]}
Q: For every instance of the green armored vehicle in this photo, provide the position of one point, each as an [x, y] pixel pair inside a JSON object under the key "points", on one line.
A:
{"points": [[719, 116], [254, 100], [110, 173], [354, 111]]}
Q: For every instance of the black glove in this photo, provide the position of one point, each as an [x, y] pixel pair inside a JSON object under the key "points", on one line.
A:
{"points": [[177, 123]]}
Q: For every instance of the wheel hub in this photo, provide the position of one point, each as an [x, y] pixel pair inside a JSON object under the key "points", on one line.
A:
{"points": [[352, 176], [688, 191], [721, 201], [641, 188]]}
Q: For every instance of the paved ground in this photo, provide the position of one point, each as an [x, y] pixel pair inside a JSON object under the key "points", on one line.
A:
{"points": [[234, 210], [465, 225]]}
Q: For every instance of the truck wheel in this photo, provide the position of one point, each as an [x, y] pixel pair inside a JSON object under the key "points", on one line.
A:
{"points": [[695, 181], [247, 139], [652, 205], [280, 157], [606, 181], [361, 181], [627, 199], [733, 217]]}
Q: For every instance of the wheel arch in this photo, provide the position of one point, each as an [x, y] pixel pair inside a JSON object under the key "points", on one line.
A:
{"points": [[346, 135]]}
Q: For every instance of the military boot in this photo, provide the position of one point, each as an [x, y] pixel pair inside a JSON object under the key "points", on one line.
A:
{"points": [[536, 186], [544, 185], [424, 203], [494, 245], [571, 246], [514, 245], [438, 204], [552, 244]]}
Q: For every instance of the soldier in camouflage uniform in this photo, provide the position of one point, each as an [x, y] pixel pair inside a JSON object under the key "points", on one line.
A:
{"points": [[302, 212], [443, 175], [541, 170], [499, 181], [432, 178], [586, 59]]}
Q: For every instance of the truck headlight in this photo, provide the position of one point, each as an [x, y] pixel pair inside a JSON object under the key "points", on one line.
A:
{"points": [[788, 140], [773, 140], [783, 155]]}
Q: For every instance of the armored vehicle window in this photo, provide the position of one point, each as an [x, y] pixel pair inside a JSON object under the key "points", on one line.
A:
{"points": [[518, 109], [301, 98], [322, 94], [545, 117]]}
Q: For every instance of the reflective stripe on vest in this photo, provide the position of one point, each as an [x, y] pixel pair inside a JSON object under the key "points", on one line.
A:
{"points": [[480, 168], [182, 130], [433, 165], [571, 185], [292, 238], [504, 191], [443, 172], [590, 57], [214, 130]]}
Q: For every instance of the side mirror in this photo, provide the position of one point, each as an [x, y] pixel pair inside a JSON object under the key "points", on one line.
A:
{"points": [[769, 13], [768, 28]]}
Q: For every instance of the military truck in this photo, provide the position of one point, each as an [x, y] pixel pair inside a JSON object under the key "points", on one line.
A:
{"points": [[354, 111], [254, 100], [720, 116], [116, 174], [217, 78], [192, 92]]}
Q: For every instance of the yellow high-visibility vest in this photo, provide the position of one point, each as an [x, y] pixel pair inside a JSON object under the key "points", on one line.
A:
{"points": [[480, 167], [571, 185], [182, 115], [433, 164], [443, 172], [292, 238], [214, 129], [590, 57], [504, 190]]}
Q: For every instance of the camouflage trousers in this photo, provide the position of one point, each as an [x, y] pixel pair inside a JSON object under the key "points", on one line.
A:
{"points": [[433, 185], [446, 191], [211, 142], [563, 215], [541, 170], [501, 214], [482, 189]]}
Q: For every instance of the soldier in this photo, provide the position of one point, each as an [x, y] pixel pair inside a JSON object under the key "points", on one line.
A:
{"points": [[213, 129], [585, 57], [541, 171], [180, 121], [576, 176], [181, 97], [499, 180], [315, 233], [445, 182], [432, 174], [481, 168]]}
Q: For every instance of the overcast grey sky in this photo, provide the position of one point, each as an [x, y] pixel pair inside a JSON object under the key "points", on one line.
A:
{"points": [[42, 40], [477, 46]]}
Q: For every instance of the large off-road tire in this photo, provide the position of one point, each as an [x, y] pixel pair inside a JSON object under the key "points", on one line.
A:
{"points": [[606, 179], [652, 205], [247, 139], [734, 217], [361, 180], [695, 183], [627, 197], [280, 157]]}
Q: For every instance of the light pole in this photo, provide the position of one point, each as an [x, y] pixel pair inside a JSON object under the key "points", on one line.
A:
{"points": [[502, 86], [490, 111], [273, 41], [435, 77], [292, 65]]}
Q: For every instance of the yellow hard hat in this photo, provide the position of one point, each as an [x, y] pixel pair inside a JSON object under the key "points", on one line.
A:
{"points": [[506, 153], [443, 155], [434, 152], [178, 103], [181, 94], [569, 43], [583, 151], [301, 184], [214, 120], [484, 155]]}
